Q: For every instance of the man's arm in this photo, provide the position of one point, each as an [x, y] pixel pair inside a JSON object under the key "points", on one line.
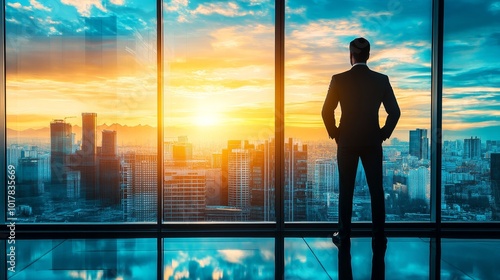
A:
{"points": [[393, 112], [328, 112]]}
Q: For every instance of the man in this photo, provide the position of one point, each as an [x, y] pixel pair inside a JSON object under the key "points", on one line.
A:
{"points": [[360, 92]]}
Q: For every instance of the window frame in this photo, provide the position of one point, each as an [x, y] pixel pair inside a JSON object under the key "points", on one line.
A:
{"points": [[435, 228]]}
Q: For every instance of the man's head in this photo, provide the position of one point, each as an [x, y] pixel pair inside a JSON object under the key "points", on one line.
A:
{"points": [[359, 49]]}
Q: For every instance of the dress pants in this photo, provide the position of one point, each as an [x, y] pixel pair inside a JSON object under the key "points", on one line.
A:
{"points": [[371, 158]]}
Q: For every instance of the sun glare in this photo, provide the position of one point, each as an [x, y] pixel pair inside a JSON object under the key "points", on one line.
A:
{"points": [[206, 119]]}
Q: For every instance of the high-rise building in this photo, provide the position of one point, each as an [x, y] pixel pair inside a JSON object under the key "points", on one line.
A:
{"points": [[60, 149], [109, 143], [295, 181], [139, 186], [108, 167], [239, 181], [472, 148], [184, 195], [87, 157], [419, 183], [495, 185], [324, 178], [89, 138], [231, 145], [419, 143]]}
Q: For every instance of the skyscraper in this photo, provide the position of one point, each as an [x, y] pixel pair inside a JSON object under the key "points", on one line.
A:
{"points": [[324, 178], [108, 170], [87, 156], [472, 148], [239, 181], [495, 185], [184, 195], [139, 186], [60, 148], [109, 143], [295, 181], [419, 143]]}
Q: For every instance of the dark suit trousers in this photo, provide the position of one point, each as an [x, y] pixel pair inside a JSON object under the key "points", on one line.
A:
{"points": [[371, 158]]}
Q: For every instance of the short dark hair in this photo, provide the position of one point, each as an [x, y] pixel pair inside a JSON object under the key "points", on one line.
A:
{"points": [[360, 49]]}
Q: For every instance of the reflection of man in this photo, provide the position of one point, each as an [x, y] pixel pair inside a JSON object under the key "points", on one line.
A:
{"points": [[360, 92]]}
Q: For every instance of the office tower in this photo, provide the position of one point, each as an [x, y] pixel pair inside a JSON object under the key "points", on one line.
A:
{"points": [[257, 183], [60, 148], [295, 181], [419, 183], [86, 162], [239, 181], [184, 195], [139, 186], [324, 178], [231, 145], [89, 137], [213, 184], [495, 185], [109, 143], [30, 178], [73, 184], [126, 184], [13, 154], [419, 143], [108, 167], [472, 148], [182, 151]]}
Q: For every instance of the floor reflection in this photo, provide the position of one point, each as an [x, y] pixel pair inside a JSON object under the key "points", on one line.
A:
{"points": [[218, 258], [85, 259], [250, 258], [470, 259]]}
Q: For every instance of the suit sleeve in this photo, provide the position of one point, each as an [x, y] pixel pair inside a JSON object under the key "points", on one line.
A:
{"points": [[328, 112], [393, 112]]}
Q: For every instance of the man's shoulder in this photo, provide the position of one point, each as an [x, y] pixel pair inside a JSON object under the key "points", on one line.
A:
{"points": [[342, 74], [381, 75]]}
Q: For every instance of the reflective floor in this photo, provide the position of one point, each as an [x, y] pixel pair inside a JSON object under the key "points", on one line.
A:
{"points": [[246, 258]]}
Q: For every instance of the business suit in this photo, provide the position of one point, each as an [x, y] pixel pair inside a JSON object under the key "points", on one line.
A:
{"points": [[360, 92]]}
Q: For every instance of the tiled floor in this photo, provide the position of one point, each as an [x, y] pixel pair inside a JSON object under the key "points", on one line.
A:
{"points": [[246, 258]]}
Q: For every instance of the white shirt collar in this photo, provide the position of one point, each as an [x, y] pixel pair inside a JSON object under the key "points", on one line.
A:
{"points": [[359, 63]]}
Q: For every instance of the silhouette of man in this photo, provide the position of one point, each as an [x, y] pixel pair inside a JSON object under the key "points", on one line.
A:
{"points": [[360, 92]]}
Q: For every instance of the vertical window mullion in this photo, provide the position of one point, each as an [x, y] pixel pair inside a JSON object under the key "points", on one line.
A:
{"points": [[436, 135], [279, 135], [159, 69]]}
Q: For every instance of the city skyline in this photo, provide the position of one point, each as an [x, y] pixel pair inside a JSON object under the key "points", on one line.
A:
{"points": [[127, 179]]}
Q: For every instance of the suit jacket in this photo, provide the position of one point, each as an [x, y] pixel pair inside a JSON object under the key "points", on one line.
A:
{"points": [[360, 92]]}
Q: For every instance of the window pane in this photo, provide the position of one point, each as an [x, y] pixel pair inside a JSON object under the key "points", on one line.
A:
{"points": [[471, 106], [81, 110], [219, 111], [316, 47]]}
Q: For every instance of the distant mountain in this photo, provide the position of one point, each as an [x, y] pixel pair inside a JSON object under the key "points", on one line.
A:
{"points": [[142, 135]]}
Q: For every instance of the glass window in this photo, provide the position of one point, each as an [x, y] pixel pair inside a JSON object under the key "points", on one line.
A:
{"points": [[81, 110], [316, 47], [471, 106], [219, 111]]}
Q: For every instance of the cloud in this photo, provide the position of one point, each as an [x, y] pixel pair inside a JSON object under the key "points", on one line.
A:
{"points": [[37, 5], [84, 7], [230, 9], [18, 6]]}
